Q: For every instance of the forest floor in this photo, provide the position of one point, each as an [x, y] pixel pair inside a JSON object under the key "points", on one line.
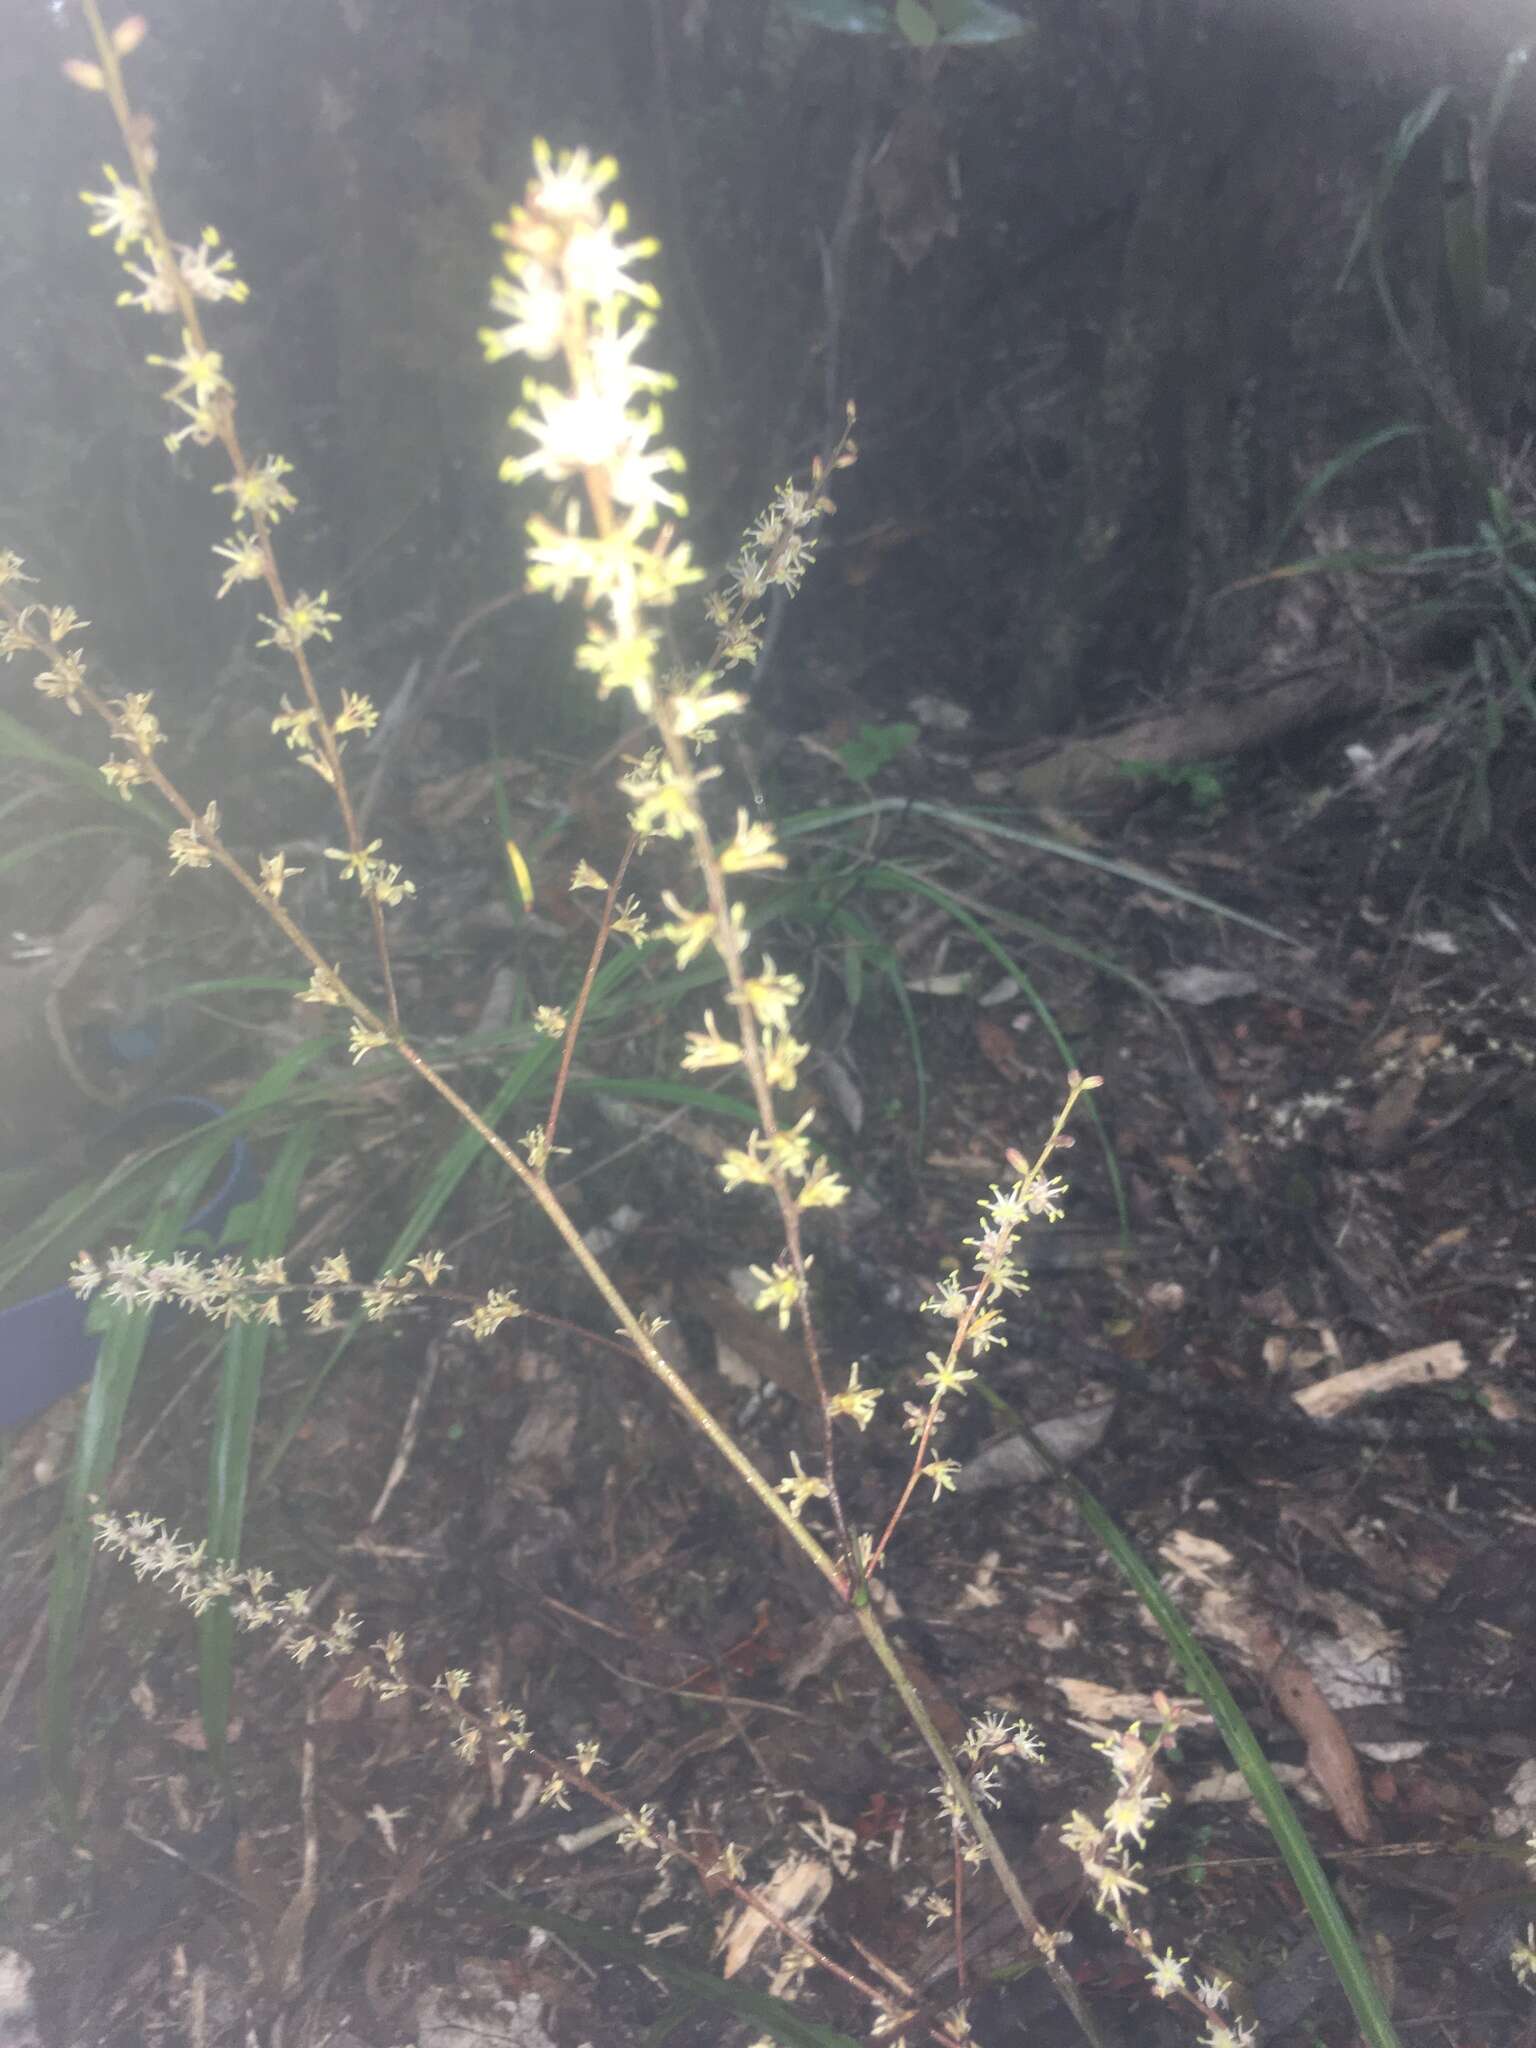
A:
{"points": [[1317, 1154]]}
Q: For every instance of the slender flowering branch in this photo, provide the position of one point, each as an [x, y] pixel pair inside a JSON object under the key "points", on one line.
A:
{"points": [[978, 1322], [584, 994], [174, 282], [572, 293], [481, 1729]]}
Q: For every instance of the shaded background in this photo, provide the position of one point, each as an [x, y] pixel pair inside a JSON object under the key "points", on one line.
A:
{"points": [[1081, 285]]}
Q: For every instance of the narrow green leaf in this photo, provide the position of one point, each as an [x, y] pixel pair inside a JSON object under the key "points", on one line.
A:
{"points": [[1510, 74], [234, 1426], [807, 823], [845, 17], [675, 1094], [1242, 1744], [35, 849], [92, 1207], [124, 1338], [785, 2022], [917, 885], [916, 23], [441, 1184], [1463, 230], [1340, 465], [1410, 128], [978, 21], [1317, 1895], [18, 742]]}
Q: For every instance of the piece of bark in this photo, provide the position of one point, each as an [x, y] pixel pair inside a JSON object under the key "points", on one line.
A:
{"points": [[1254, 711]]}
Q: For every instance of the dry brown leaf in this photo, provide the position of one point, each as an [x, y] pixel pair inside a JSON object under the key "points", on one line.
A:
{"points": [[1330, 1755]]}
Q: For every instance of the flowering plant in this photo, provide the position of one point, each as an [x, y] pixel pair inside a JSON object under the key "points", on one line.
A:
{"points": [[573, 300]]}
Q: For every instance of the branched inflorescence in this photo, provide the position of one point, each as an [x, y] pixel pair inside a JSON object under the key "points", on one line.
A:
{"points": [[571, 299]]}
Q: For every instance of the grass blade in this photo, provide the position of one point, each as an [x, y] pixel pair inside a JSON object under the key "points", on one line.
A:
{"points": [[234, 1424], [916, 885], [124, 1340], [972, 821], [785, 2022], [435, 1196], [1243, 1745], [20, 855], [87, 1211], [1346, 460], [1317, 1894], [18, 742]]}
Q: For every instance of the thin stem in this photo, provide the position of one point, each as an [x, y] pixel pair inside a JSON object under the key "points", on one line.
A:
{"points": [[975, 1302], [955, 1779], [594, 958], [141, 160]]}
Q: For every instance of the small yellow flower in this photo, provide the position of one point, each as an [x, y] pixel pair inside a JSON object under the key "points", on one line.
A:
{"points": [[707, 1048], [943, 1472], [189, 844], [134, 722], [782, 1055], [801, 1486], [261, 492], [325, 986], [946, 1376], [778, 1290], [753, 850], [772, 995], [630, 921], [296, 725], [1167, 1974], [361, 1041], [696, 709], [689, 931], [64, 680], [199, 372], [122, 212], [211, 276], [856, 1402], [305, 619], [664, 802], [246, 563], [565, 187], [821, 1188], [487, 1316], [745, 1168], [275, 871], [122, 775], [358, 713]]}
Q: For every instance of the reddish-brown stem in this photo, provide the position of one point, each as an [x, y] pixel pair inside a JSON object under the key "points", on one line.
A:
{"points": [[594, 959]]}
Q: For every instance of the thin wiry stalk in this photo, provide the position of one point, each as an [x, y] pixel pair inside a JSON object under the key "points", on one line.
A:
{"points": [[141, 159]]}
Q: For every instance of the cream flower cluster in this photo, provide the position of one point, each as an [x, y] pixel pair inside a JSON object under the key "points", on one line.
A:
{"points": [[571, 290], [169, 279], [1104, 1847], [229, 1290]]}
